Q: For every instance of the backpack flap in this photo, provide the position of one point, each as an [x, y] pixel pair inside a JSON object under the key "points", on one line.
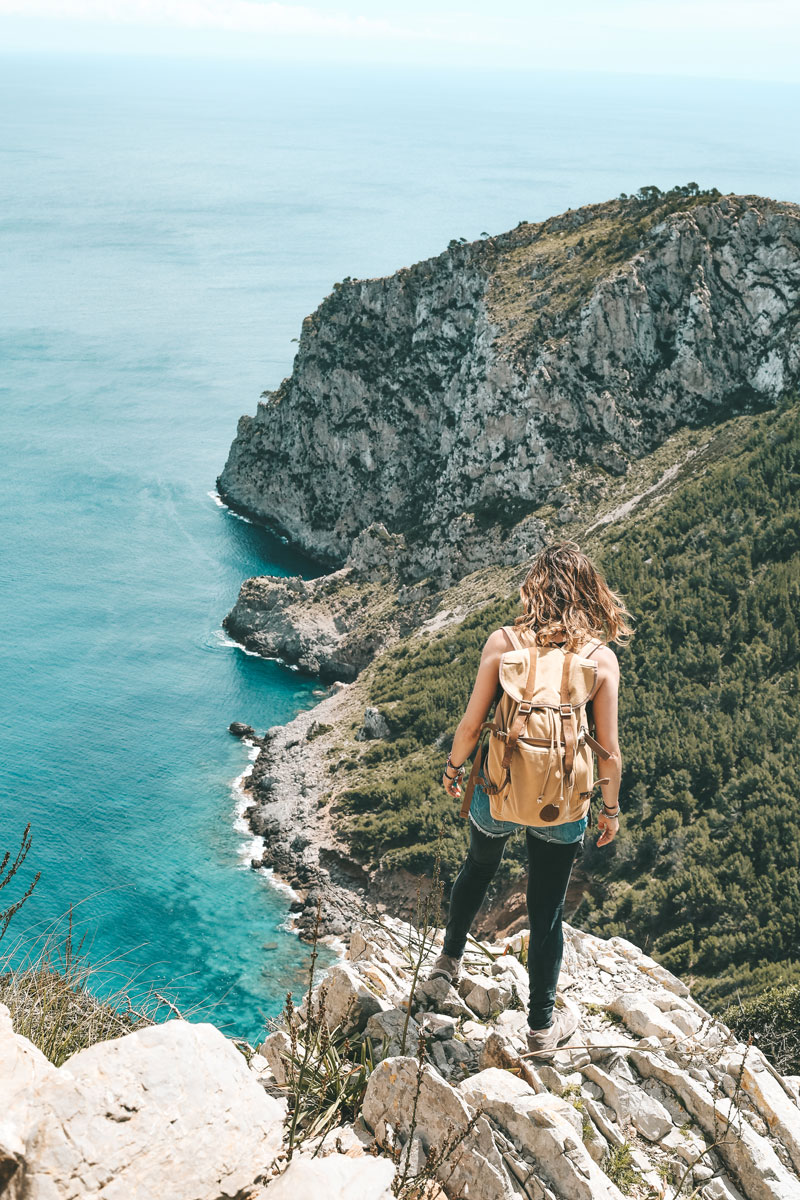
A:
{"points": [[515, 668]]}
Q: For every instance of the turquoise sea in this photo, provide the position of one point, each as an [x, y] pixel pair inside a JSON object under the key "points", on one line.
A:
{"points": [[166, 225]]}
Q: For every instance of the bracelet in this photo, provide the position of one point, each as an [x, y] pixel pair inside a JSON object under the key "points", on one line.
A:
{"points": [[606, 812], [459, 771]]}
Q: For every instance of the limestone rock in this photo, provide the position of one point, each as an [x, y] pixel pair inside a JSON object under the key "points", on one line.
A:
{"points": [[12, 1153], [386, 1031], [276, 1049], [749, 1155], [437, 1025], [172, 1103], [336, 1177], [474, 382], [473, 1167], [24, 1072], [509, 968], [721, 1189], [752, 1072], [631, 1103], [348, 1001], [375, 725], [240, 730], [441, 996], [487, 998], [644, 1017], [543, 1125], [373, 554], [474, 1031]]}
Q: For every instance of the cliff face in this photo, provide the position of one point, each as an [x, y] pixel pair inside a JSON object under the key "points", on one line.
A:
{"points": [[452, 399]]}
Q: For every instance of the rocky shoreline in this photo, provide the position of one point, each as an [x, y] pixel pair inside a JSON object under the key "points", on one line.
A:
{"points": [[288, 806], [301, 846]]}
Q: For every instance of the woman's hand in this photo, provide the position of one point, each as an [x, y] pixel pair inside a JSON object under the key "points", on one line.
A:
{"points": [[452, 786], [609, 828]]}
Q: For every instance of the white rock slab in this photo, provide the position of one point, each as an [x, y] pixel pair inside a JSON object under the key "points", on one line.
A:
{"points": [[23, 1070], [543, 1125], [750, 1157], [631, 1103], [474, 1168], [348, 1000], [171, 1110], [336, 1177], [781, 1114]]}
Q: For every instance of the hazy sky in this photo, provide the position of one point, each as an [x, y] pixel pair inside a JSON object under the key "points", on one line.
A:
{"points": [[739, 39]]}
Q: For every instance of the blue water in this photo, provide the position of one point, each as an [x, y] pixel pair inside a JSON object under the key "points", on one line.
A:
{"points": [[165, 228]]}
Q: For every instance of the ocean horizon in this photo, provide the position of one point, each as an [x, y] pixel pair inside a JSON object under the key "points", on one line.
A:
{"points": [[167, 225]]}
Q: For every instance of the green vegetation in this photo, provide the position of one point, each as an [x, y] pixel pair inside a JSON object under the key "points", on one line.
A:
{"points": [[547, 272], [618, 1166], [705, 874], [708, 869], [773, 1019]]}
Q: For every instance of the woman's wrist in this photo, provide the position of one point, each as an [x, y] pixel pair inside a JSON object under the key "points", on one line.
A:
{"points": [[459, 771]]}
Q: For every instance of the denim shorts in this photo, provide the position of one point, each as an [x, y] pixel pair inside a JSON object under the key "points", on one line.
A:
{"points": [[481, 817]]}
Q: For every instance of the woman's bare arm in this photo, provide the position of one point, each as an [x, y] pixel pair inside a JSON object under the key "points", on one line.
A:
{"points": [[605, 703], [480, 702]]}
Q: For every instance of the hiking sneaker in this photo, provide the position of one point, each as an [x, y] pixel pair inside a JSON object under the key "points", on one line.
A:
{"points": [[545, 1042], [446, 967]]}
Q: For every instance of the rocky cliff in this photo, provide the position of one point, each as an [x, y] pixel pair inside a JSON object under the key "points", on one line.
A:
{"points": [[451, 400], [651, 1097]]}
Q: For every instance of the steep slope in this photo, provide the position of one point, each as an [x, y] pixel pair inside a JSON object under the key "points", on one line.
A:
{"points": [[706, 871], [415, 1089], [450, 400]]}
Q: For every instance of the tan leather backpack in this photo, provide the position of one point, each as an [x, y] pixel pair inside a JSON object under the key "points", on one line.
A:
{"points": [[538, 768]]}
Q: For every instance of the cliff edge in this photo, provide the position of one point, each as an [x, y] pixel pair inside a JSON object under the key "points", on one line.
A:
{"points": [[450, 400], [380, 1086]]}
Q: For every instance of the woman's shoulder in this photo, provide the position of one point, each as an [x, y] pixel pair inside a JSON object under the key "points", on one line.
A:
{"points": [[606, 660], [500, 640]]}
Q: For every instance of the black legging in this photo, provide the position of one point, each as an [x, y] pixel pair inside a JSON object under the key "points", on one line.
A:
{"points": [[549, 869]]}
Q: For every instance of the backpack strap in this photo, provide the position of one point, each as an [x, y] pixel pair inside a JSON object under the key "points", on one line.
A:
{"points": [[477, 763], [523, 709], [590, 647], [513, 637], [599, 750], [565, 711], [520, 718]]}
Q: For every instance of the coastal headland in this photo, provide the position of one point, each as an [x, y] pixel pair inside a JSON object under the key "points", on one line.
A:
{"points": [[584, 377]]}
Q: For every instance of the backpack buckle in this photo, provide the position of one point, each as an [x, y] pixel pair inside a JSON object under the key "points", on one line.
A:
{"points": [[525, 706], [565, 710]]}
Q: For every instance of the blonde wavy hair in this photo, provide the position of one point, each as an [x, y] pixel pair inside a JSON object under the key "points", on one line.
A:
{"points": [[564, 593]]}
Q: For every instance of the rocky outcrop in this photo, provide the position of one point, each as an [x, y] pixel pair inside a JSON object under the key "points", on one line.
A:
{"points": [[453, 399], [331, 626], [649, 1079], [171, 1109], [651, 1096]]}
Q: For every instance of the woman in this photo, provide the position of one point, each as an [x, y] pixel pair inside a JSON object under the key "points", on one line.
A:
{"points": [[566, 602]]}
